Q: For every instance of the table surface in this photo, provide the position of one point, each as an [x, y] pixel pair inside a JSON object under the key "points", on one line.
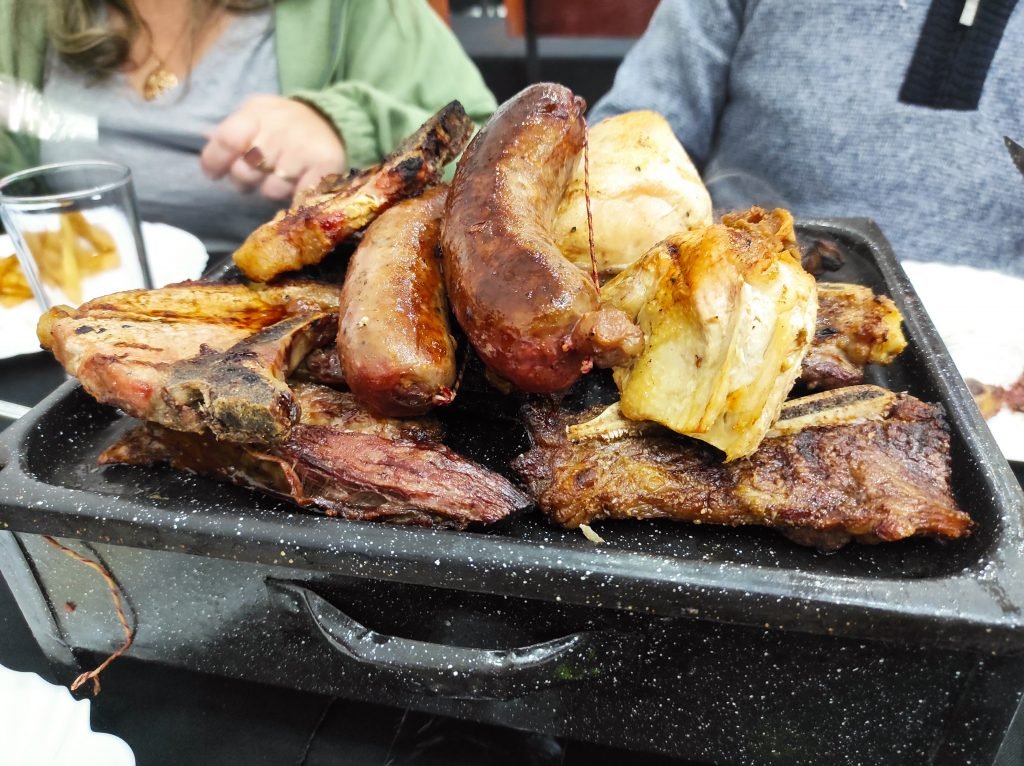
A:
{"points": [[170, 716]]}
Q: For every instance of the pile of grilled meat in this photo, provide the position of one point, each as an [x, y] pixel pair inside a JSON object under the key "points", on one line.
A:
{"points": [[325, 390]]}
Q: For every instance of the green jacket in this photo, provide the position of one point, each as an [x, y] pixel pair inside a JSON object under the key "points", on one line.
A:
{"points": [[376, 68]]}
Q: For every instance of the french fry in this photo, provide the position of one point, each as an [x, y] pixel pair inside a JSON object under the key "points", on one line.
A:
{"points": [[14, 287], [69, 260], [96, 236], [64, 258]]}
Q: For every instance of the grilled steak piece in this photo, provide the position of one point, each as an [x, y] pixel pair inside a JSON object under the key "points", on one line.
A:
{"points": [[343, 461], [877, 480], [307, 232], [854, 328], [127, 348]]}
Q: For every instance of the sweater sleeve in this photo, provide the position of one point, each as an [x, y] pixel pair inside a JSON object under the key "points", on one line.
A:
{"points": [[680, 68], [398, 65]]}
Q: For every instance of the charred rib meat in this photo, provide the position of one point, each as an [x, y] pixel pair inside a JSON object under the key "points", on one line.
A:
{"points": [[877, 480], [240, 394]]}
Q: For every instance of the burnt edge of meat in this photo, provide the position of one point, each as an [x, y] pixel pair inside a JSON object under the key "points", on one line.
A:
{"points": [[420, 159], [240, 394]]}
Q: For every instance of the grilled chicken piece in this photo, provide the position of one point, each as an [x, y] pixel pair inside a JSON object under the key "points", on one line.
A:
{"points": [[643, 188], [881, 478], [306, 233], [344, 462], [727, 313], [854, 328], [124, 347]]}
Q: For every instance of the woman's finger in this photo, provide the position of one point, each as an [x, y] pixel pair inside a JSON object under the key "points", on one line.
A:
{"points": [[229, 141], [277, 187], [244, 176]]}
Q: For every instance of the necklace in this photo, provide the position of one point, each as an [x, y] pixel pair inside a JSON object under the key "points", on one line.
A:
{"points": [[159, 81]]}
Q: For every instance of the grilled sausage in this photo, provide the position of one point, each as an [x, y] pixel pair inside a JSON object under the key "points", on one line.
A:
{"points": [[519, 300], [395, 344]]}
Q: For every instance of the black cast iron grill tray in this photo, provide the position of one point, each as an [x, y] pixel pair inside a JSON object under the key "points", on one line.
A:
{"points": [[962, 595]]}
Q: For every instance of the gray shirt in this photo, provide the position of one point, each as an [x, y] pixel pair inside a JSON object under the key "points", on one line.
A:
{"points": [[797, 104], [160, 140]]}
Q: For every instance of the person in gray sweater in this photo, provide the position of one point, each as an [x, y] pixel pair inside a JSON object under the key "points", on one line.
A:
{"points": [[891, 109]]}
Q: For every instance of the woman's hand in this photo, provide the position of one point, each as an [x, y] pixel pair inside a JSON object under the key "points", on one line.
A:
{"points": [[273, 144]]}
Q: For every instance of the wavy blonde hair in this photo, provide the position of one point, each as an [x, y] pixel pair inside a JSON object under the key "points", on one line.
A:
{"points": [[89, 38]]}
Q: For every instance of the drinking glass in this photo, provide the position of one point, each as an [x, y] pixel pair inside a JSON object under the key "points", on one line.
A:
{"points": [[75, 230]]}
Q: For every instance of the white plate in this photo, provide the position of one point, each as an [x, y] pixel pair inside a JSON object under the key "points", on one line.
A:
{"points": [[173, 255], [980, 317], [44, 724]]}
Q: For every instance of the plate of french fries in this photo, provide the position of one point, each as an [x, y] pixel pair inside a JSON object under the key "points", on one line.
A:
{"points": [[77, 259], [65, 256]]}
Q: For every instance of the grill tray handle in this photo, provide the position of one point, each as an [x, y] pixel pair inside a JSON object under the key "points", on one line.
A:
{"points": [[454, 671]]}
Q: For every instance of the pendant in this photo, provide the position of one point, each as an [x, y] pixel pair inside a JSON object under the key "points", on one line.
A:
{"points": [[158, 82]]}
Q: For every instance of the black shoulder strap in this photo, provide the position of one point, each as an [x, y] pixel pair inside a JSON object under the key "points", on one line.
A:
{"points": [[951, 60]]}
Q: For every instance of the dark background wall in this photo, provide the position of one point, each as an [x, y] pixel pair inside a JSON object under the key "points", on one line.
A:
{"points": [[584, 64]]}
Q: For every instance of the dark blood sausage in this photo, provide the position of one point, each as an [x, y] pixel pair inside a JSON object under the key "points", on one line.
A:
{"points": [[395, 344], [530, 314]]}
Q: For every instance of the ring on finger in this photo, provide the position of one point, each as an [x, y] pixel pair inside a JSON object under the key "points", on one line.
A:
{"points": [[253, 157]]}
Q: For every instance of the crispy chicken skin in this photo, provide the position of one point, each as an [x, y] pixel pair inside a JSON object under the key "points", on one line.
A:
{"points": [[727, 314], [878, 480], [306, 233], [643, 188], [394, 340]]}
